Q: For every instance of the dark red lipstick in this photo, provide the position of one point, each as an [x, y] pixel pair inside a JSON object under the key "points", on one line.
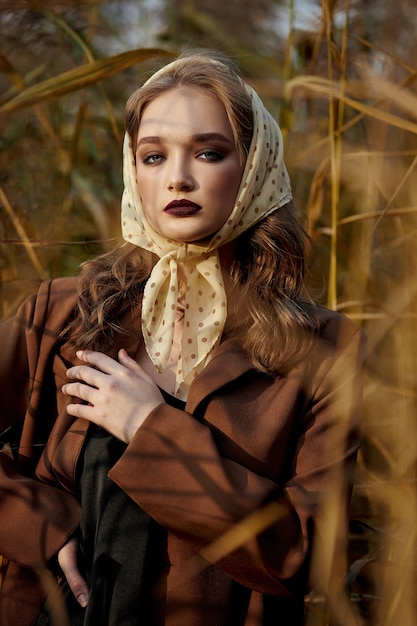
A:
{"points": [[182, 208]]}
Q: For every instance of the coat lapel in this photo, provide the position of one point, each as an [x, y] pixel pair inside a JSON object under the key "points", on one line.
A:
{"points": [[228, 363]]}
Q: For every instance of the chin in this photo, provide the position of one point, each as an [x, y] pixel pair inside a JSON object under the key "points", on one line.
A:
{"points": [[194, 238]]}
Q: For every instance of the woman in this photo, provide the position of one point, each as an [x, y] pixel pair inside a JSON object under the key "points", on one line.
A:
{"points": [[181, 413]]}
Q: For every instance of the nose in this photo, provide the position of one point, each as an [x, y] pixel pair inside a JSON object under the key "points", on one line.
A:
{"points": [[180, 178]]}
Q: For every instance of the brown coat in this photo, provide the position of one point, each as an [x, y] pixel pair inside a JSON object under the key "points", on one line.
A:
{"points": [[245, 441]]}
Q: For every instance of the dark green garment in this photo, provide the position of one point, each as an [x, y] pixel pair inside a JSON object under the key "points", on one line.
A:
{"points": [[123, 551]]}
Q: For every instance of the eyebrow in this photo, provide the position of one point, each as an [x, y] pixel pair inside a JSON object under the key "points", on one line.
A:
{"points": [[199, 138], [148, 140], [202, 137]]}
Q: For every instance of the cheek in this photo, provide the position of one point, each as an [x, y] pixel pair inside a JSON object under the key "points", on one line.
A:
{"points": [[227, 181], [231, 187], [144, 185], [234, 178]]}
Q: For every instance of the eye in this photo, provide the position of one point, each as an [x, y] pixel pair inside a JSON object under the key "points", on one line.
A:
{"points": [[152, 159], [211, 155]]}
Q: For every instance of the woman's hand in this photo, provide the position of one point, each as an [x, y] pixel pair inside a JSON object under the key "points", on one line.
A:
{"points": [[68, 562], [119, 395]]}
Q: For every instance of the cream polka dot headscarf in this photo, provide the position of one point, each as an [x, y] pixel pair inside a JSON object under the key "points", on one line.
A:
{"points": [[265, 186]]}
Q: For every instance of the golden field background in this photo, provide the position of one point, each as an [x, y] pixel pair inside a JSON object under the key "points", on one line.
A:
{"points": [[340, 77]]}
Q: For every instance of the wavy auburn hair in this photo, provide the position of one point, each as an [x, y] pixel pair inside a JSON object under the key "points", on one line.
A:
{"points": [[274, 318]]}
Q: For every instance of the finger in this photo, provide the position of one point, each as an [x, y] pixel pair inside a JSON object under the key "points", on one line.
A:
{"points": [[133, 366], [85, 411], [79, 390], [101, 361], [67, 559], [86, 374]]}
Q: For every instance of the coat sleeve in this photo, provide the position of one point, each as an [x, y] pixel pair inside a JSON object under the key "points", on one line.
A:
{"points": [[257, 530], [35, 519]]}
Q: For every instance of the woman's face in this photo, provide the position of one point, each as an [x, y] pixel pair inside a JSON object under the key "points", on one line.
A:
{"points": [[187, 164]]}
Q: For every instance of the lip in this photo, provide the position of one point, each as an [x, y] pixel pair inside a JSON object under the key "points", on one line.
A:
{"points": [[182, 208]]}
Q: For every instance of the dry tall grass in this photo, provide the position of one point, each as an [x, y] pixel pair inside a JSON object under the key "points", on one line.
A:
{"points": [[346, 99], [354, 153]]}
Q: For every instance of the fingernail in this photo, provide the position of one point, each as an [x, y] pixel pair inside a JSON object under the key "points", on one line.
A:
{"points": [[82, 599]]}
